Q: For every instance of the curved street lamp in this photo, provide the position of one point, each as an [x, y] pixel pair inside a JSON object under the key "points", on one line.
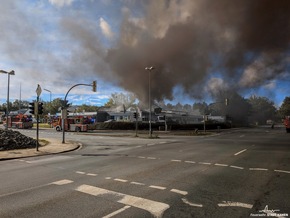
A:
{"points": [[7, 108], [150, 69], [49, 106]]}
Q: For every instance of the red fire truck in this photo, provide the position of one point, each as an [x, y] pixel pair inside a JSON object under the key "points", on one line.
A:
{"points": [[287, 123], [19, 121], [74, 123]]}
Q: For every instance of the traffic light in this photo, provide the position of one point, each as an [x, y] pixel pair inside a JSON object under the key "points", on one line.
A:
{"points": [[135, 115], [40, 108], [94, 86], [33, 109]]}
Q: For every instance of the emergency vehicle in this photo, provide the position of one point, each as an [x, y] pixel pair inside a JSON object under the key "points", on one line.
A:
{"points": [[19, 121], [73, 123]]}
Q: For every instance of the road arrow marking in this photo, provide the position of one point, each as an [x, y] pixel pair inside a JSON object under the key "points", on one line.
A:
{"points": [[154, 207], [117, 212]]}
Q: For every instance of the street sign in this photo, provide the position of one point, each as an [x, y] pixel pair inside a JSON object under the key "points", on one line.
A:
{"points": [[38, 90]]}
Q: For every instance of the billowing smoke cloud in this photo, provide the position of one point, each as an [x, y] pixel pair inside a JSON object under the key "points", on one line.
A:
{"points": [[203, 46], [246, 42]]}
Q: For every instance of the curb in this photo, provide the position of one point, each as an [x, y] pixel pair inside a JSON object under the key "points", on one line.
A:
{"points": [[76, 147]]}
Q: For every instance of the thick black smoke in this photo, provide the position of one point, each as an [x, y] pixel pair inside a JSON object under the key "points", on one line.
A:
{"points": [[188, 41]]}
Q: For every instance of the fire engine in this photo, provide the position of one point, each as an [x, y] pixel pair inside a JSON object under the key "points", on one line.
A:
{"points": [[287, 123], [19, 121], [74, 123]]}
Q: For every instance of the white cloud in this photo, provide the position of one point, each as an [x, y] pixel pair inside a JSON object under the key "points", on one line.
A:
{"points": [[271, 85], [61, 3], [106, 29]]}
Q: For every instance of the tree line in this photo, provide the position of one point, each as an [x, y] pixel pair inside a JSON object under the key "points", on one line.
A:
{"points": [[255, 109]]}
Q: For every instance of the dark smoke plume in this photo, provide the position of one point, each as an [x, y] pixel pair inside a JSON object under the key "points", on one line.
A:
{"points": [[188, 42]]}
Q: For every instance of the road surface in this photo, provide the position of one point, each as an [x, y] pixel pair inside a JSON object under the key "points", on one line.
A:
{"points": [[240, 173]]}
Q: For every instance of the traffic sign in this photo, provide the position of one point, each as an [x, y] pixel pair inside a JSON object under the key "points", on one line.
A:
{"points": [[38, 90]]}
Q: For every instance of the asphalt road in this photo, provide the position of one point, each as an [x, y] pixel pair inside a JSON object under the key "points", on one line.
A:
{"points": [[239, 173]]}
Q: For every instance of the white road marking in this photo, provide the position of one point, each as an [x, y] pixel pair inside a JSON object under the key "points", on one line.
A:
{"points": [[241, 136], [157, 187], [151, 158], [236, 167], [191, 204], [234, 204], [240, 152], [262, 169], [116, 212], [62, 182], [162, 142], [204, 163], [141, 157], [137, 183], [108, 178], [92, 174], [179, 191], [80, 172], [154, 207], [176, 160], [188, 161], [55, 158], [151, 144], [282, 171], [121, 180], [221, 165]]}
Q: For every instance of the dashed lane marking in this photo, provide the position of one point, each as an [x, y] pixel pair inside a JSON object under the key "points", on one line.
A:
{"points": [[179, 191], [191, 204], [80, 172], [240, 152], [175, 160], [204, 163], [154, 207], [235, 204], [157, 187], [282, 171], [62, 182], [188, 161], [261, 169], [221, 165], [137, 183], [121, 180], [236, 167], [91, 174]]}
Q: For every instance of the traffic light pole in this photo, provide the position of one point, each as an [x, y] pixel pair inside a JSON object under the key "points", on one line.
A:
{"points": [[37, 127], [62, 120]]}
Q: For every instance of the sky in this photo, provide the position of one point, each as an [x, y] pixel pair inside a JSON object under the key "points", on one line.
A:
{"points": [[197, 47]]}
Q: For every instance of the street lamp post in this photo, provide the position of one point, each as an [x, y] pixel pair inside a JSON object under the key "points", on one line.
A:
{"points": [[150, 69], [49, 106], [7, 108]]}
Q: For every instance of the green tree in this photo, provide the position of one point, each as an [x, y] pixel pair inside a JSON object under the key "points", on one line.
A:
{"points": [[87, 108], [202, 107], [237, 109], [263, 109], [284, 109]]}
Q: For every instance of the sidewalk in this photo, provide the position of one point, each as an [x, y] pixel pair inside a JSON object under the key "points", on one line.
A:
{"points": [[53, 147]]}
